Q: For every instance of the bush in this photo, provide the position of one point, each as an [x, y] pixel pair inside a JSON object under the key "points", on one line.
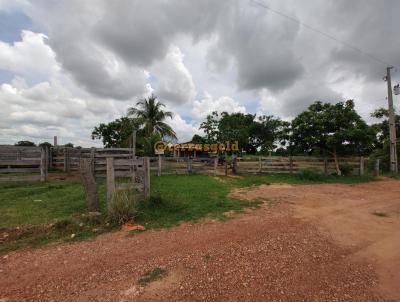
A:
{"points": [[346, 169], [310, 175], [123, 207], [155, 201]]}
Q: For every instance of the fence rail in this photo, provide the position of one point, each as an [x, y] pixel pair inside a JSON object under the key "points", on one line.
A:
{"points": [[23, 160], [68, 159], [273, 164], [33, 162]]}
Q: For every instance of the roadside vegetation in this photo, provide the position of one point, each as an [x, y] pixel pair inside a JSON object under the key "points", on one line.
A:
{"points": [[33, 214]]}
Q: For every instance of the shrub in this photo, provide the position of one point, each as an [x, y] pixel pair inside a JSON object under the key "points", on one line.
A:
{"points": [[346, 169], [310, 175], [123, 206], [155, 201]]}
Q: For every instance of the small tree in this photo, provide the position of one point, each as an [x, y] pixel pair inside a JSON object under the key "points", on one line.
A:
{"points": [[210, 127], [333, 129], [25, 144]]}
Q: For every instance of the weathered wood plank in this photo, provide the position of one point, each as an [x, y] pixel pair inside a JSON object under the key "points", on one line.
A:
{"points": [[97, 155], [20, 178], [110, 180], [19, 170], [19, 162]]}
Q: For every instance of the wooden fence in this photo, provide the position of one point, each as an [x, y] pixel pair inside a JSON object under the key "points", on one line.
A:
{"points": [[107, 162], [68, 160], [23, 163], [30, 160], [273, 164], [139, 175]]}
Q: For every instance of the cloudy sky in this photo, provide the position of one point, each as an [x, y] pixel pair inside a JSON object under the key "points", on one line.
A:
{"points": [[66, 66]]}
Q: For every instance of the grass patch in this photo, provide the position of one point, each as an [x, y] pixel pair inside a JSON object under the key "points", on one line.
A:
{"points": [[380, 214], [53, 211], [72, 229], [303, 177], [179, 198], [153, 275], [43, 202]]}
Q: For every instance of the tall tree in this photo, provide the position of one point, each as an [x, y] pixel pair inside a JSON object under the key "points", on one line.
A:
{"points": [[151, 117], [236, 127], [333, 129], [210, 127], [117, 133], [253, 134], [268, 133]]}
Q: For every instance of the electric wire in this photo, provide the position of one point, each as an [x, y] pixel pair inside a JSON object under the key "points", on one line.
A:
{"points": [[318, 31]]}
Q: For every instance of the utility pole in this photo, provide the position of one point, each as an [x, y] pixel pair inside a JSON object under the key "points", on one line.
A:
{"points": [[392, 125]]}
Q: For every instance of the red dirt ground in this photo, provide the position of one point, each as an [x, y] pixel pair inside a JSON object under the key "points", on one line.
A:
{"points": [[306, 243]]}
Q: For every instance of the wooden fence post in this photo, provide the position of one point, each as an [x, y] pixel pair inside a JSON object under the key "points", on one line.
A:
{"points": [[50, 157], [159, 165], [189, 164], [259, 164], [110, 179], [376, 170], [215, 165], [67, 164], [92, 160], [361, 166], [325, 166], [43, 167], [146, 178], [290, 164], [89, 184], [234, 164]]}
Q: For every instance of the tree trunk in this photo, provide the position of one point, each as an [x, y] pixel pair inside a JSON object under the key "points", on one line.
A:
{"points": [[89, 184], [336, 162]]}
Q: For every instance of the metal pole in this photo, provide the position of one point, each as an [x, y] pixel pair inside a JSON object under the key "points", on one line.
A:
{"points": [[392, 126]]}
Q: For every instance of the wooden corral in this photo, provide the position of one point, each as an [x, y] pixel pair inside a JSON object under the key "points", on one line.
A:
{"points": [[272, 164], [19, 163], [68, 160]]}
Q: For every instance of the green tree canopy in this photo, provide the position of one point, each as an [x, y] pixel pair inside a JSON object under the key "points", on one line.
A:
{"points": [[332, 128], [253, 134], [151, 117], [25, 144], [117, 133]]}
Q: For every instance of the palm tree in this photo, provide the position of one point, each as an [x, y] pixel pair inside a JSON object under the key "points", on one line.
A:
{"points": [[151, 117]]}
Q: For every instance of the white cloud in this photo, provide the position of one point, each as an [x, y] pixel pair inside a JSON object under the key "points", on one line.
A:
{"points": [[205, 106], [90, 68], [175, 83], [183, 129], [29, 56]]}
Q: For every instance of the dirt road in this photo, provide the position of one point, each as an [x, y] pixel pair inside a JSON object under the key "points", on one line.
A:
{"points": [[306, 243]]}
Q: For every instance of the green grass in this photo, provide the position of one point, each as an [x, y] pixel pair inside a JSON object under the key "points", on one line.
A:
{"points": [[53, 211], [179, 198], [303, 177], [41, 203]]}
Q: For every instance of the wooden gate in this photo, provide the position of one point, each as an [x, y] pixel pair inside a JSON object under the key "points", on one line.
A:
{"points": [[139, 175]]}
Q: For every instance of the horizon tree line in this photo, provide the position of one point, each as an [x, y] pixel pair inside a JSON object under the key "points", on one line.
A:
{"points": [[323, 129]]}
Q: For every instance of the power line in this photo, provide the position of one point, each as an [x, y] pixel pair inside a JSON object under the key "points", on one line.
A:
{"points": [[316, 30]]}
